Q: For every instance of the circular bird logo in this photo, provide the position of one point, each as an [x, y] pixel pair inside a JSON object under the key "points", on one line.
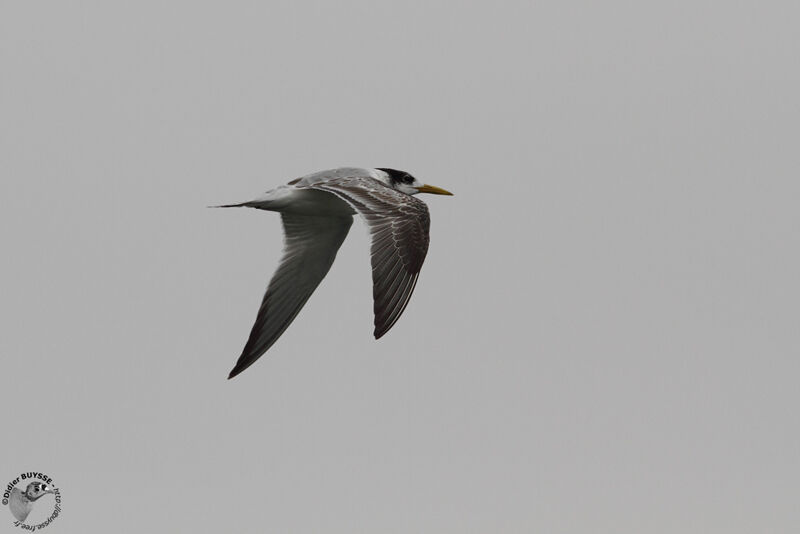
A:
{"points": [[33, 500]]}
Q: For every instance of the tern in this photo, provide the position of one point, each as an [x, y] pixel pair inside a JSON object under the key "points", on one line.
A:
{"points": [[317, 212]]}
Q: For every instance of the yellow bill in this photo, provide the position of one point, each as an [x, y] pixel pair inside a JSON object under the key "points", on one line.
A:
{"points": [[433, 189]]}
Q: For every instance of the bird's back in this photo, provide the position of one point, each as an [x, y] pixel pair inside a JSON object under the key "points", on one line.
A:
{"points": [[341, 172]]}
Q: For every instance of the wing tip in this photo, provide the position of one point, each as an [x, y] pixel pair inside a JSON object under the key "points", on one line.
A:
{"points": [[382, 329], [240, 367], [384, 323]]}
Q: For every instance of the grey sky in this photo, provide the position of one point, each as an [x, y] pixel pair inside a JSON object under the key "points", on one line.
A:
{"points": [[604, 336]]}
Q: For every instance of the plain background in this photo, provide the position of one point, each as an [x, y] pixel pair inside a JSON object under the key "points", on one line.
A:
{"points": [[604, 337]]}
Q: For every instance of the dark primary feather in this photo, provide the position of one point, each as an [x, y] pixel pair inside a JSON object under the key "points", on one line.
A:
{"points": [[310, 246]]}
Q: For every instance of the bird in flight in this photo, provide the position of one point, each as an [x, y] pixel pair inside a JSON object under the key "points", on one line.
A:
{"points": [[317, 211]]}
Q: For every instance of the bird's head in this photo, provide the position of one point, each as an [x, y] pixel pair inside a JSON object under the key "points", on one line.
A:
{"points": [[37, 489], [405, 183]]}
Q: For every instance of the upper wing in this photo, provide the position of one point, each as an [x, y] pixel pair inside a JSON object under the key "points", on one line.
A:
{"points": [[399, 225], [310, 246]]}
